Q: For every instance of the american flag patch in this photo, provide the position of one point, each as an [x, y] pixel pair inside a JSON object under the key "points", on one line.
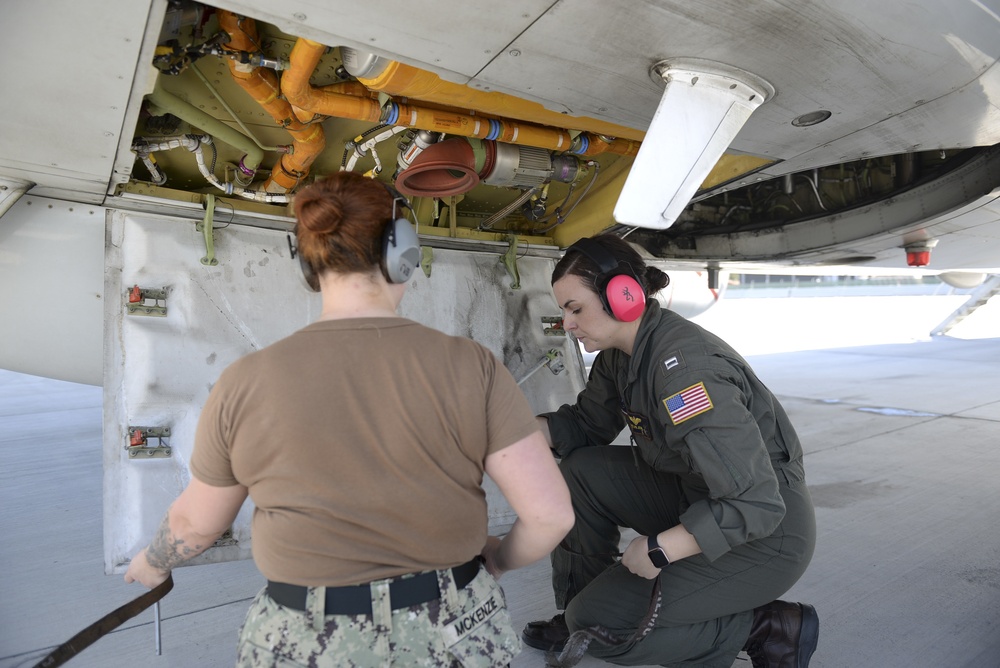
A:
{"points": [[688, 403]]}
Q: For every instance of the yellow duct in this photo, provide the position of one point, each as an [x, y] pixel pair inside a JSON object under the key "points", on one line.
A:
{"points": [[325, 101], [396, 78], [482, 127], [434, 117], [597, 144], [439, 114], [404, 80], [308, 141]]}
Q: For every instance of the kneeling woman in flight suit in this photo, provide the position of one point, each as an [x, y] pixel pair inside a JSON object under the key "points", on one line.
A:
{"points": [[713, 482], [362, 440]]}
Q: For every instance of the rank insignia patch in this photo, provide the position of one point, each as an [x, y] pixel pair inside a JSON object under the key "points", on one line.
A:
{"points": [[673, 362], [687, 403]]}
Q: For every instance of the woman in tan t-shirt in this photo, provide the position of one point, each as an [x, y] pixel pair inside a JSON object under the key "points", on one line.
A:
{"points": [[362, 440]]}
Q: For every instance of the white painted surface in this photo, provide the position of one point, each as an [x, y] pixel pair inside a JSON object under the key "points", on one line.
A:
{"points": [[52, 289]]}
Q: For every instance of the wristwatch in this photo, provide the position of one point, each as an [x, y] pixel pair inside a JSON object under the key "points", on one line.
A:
{"points": [[656, 553]]}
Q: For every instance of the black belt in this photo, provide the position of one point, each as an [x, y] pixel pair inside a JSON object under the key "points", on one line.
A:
{"points": [[357, 599]]}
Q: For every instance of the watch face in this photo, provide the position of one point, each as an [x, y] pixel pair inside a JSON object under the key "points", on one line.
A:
{"points": [[656, 553], [658, 558]]}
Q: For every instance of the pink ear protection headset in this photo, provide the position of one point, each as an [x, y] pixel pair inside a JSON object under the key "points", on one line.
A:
{"points": [[617, 286]]}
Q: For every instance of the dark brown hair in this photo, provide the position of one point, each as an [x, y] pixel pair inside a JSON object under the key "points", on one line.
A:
{"points": [[341, 219], [575, 263]]}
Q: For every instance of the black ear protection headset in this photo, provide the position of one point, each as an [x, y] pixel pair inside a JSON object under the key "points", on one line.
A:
{"points": [[617, 285], [400, 246]]}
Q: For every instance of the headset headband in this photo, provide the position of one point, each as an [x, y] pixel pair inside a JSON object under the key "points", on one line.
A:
{"points": [[397, 197], [602, 257]]}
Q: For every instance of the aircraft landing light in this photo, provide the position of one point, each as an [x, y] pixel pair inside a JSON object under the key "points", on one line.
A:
{"points": [[703, 107]]}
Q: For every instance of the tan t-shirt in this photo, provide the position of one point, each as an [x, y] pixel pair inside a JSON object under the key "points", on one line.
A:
{"points": [[362, 443]]}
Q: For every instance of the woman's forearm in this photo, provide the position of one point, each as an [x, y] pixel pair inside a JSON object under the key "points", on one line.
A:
{"points": [[527, 542], [176, 542]]}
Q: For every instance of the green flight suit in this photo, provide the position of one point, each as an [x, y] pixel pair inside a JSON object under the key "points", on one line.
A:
{"points": [[712, 449]]}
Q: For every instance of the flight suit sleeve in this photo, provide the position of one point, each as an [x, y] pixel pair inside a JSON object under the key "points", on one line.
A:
{"points": [[707, 422], [595, 418]]}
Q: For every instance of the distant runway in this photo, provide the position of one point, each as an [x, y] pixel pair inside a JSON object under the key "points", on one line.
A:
{"points": [[902, 457]]}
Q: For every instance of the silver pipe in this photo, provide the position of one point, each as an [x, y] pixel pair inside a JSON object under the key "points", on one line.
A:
{"points": [[812, 183]]}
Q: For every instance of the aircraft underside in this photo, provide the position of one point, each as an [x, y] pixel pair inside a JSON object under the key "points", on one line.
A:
{"points": [[149, 151], [537, 125]]}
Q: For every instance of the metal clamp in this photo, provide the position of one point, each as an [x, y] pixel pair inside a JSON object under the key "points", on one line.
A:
{"points": [[205, 227], [509, 260], [426, 259]]}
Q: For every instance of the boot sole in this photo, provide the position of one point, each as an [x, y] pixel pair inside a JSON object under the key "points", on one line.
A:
{"points": [[808, 635]]}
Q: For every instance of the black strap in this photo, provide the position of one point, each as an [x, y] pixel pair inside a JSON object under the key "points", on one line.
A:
{"points": [[357, 599], [578, 641], [105, 625]]}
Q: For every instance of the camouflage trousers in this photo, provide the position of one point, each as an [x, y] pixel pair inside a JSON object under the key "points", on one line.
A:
{"points": [[465, 628]]}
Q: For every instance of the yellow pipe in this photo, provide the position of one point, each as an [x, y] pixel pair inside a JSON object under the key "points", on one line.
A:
{"points": [[407, 81], [348, 101], [600, 144], [332, 101], [308, 141], [482, 127], [299, 92], [404, 80]]}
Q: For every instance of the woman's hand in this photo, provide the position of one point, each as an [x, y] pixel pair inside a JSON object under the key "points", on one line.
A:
{"points": [[636, 559], [140, 570]]}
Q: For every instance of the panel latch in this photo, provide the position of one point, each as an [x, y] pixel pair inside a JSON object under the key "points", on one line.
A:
{"points": [[148, 442], [552, 325], [146, 301]]}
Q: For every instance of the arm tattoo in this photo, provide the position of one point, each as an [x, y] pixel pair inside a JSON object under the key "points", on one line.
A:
{"points": [[167, 551]]}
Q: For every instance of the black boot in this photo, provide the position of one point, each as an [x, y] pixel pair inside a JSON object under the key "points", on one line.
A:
{"points": [[783, 635], [549, 635]]}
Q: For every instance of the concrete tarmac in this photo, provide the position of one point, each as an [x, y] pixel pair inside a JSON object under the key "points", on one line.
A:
{"points": [[902, 446]]}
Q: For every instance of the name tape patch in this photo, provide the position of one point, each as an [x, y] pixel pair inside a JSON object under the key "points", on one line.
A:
{"points": [[455, 630]]}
